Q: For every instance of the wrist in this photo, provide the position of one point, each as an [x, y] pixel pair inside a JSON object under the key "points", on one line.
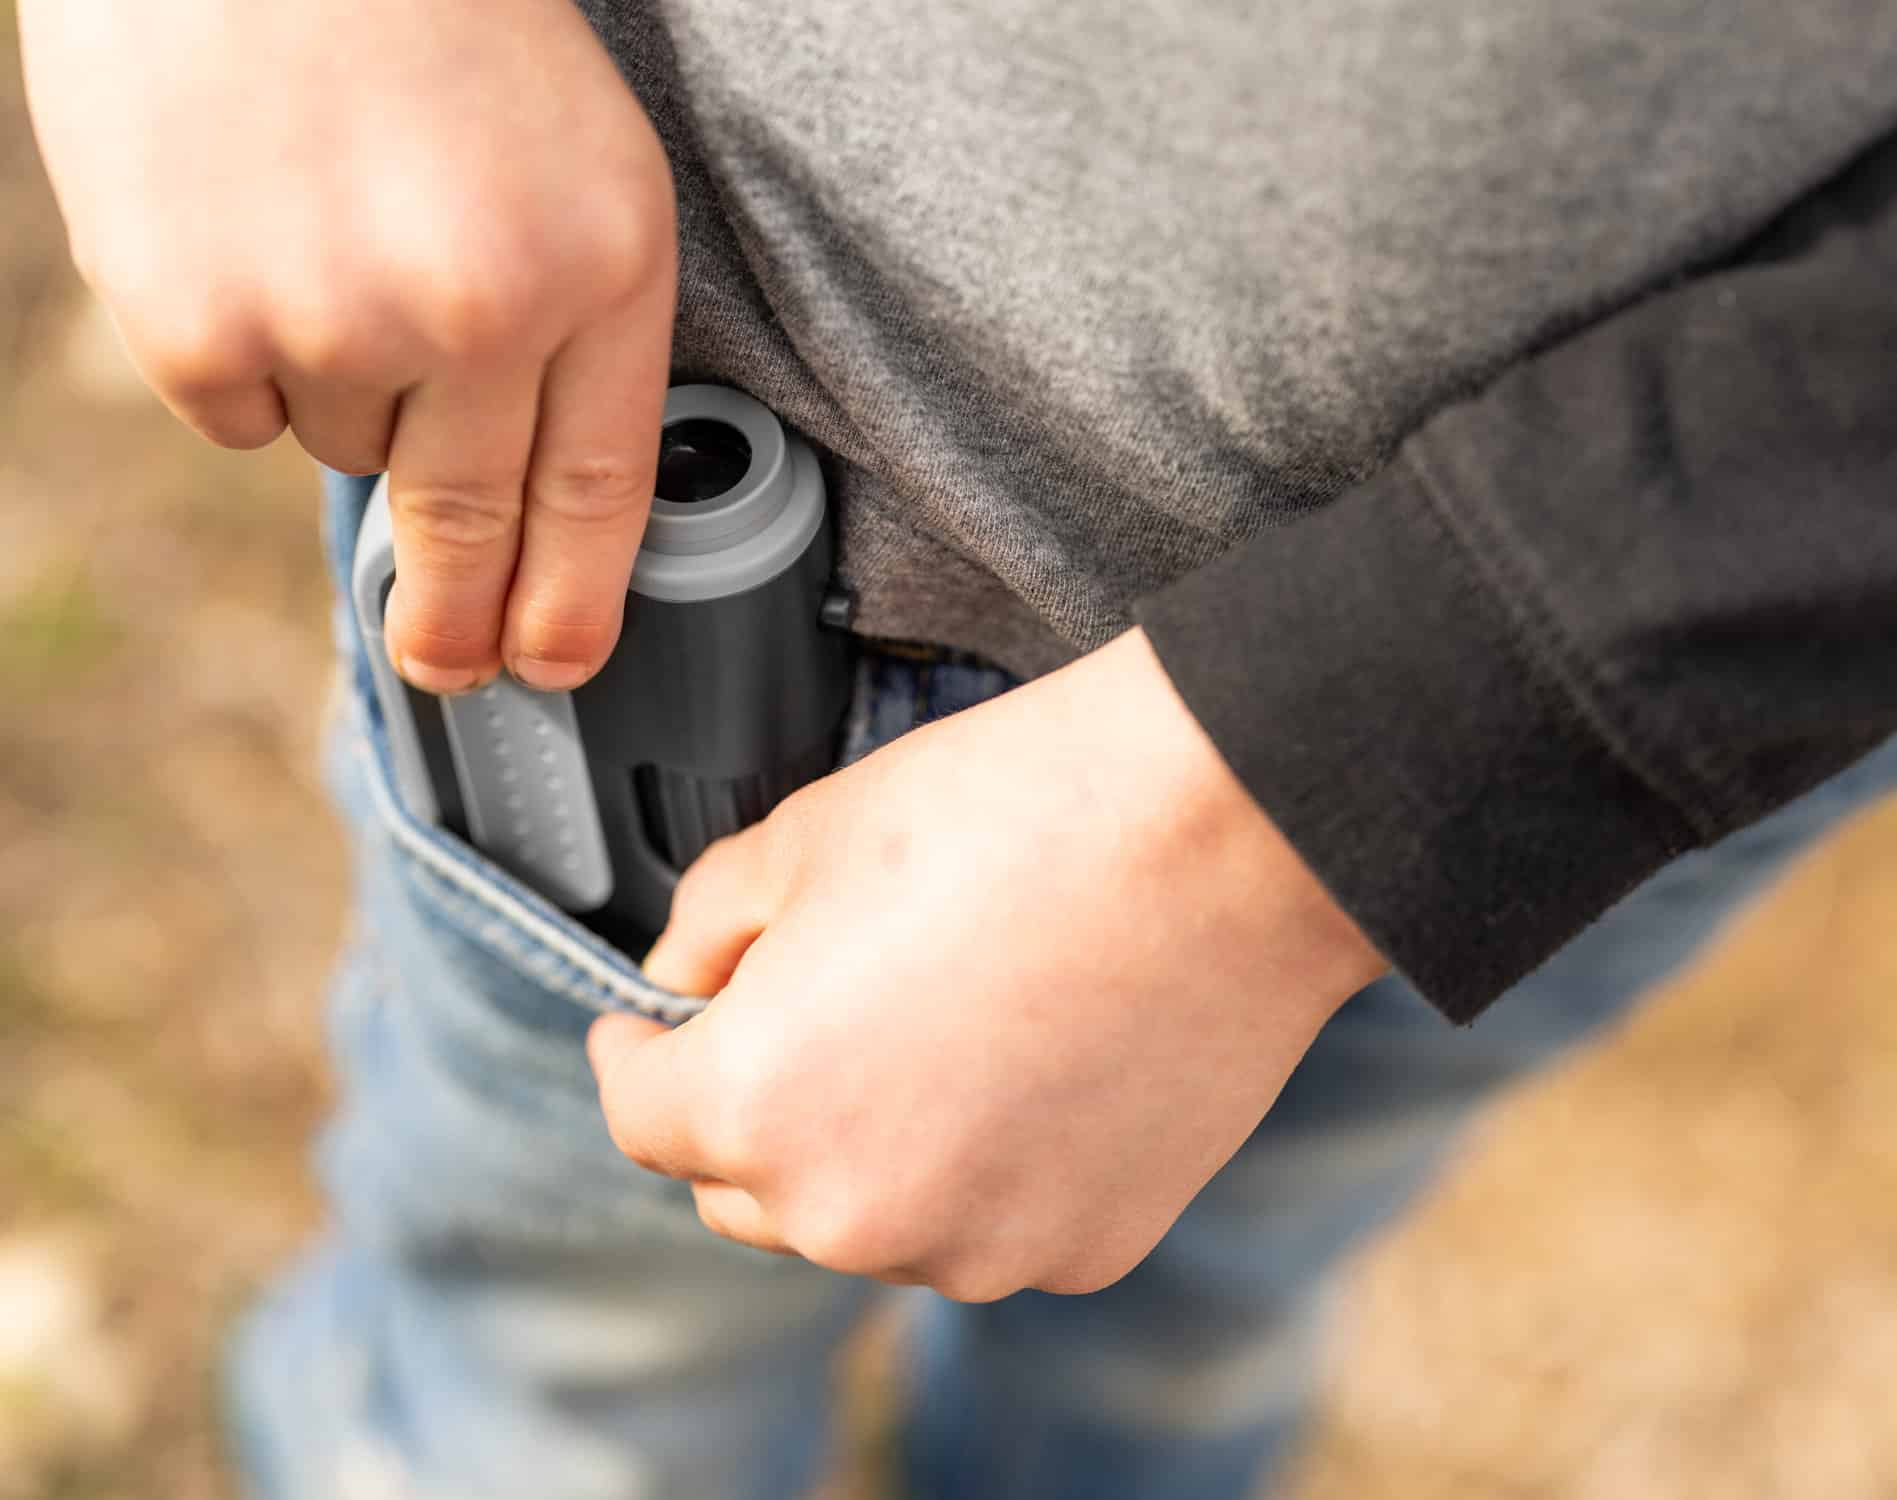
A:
{"points": [[1200, 807]]}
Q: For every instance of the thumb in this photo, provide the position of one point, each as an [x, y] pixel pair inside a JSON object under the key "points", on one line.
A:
{"points": [[616, 1031], [723, 902], [649, 1089]]}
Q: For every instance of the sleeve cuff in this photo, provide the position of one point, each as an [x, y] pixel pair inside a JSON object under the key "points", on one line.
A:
{"points": [[1370, 689]]}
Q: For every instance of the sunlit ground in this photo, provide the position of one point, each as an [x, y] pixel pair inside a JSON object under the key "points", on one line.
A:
{"points": [[1670, 1272]]}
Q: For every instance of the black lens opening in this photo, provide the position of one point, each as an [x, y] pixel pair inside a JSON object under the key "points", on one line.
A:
{"points": [[701, 459]]}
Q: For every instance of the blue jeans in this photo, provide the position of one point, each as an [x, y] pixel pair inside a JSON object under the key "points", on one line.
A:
{"points": [[505, 1309]]}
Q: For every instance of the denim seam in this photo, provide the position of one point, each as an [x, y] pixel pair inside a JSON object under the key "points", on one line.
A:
{"points": [[608, 986]]}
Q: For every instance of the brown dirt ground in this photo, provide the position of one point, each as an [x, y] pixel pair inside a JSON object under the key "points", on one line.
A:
{"points": [[1670, 1271]]}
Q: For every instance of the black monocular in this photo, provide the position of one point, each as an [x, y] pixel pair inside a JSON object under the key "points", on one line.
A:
{"points": [[727, 691]]}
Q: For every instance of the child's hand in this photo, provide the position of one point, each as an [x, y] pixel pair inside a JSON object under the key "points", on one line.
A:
{"points": [[430, 236], [992, 1005]]}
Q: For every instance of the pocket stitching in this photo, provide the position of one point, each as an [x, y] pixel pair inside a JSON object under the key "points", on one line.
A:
{"points": [[623, 989]]}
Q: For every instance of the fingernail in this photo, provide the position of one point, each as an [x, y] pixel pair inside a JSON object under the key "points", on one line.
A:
{"points": [[549, 676], [447, 681]]}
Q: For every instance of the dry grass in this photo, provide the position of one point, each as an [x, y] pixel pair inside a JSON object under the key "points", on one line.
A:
{"points": [[1670, 1272]]}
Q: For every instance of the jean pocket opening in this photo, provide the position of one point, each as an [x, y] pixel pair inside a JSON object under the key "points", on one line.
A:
{"points": [[489, 906]]}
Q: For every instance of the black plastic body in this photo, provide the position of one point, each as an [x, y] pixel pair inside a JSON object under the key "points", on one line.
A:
{"points": [[706, 716]]}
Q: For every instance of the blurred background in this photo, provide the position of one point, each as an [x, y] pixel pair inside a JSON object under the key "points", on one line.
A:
{"points": [[1668, 1271]]}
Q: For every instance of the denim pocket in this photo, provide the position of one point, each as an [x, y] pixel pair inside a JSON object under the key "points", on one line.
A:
{"points": [[510, 931], [478, 924]]}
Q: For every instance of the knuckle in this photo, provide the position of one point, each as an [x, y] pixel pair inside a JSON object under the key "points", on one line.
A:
{"points": [[633, 1146], [783, 837], [623, 1127], [201, 352], [635, 241], [841, 1248], [345, 452], [357, 458], [736, 1145], [619, 1130], [322, 324], [206, 362], [712, 1217], [467, 519], [598, 489], [843, 1236], [479, 309], [1080, 1281], [326, 344], [639, 1153], [754, 1133], [739, 1135], [975, 1284], [239, 419], [699, 886], [1103, 1261]]}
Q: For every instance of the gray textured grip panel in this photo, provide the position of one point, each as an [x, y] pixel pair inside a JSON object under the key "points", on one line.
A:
{"points": [[527, 791]]}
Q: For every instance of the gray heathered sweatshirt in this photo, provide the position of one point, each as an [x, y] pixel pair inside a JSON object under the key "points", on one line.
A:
{"points": [[1561, 330], [1079, 294]]}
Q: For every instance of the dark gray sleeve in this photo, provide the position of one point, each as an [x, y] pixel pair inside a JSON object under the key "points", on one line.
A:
{"points": [[1633, 596]]}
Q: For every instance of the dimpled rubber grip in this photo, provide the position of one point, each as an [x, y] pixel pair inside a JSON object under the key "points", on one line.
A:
{"points": [[527, 792]]}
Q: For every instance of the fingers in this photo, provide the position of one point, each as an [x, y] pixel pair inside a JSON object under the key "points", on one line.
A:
{"points": [[213, 372], [621, 1049], [655, 1086], [244, 417], [518, 503], [734, 1214], [347, 427], [456, 471], [589, 489], [521, 472], [722, 903]]}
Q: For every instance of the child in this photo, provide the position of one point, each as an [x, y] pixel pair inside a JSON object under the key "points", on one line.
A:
{"points": [[1431, 465]]}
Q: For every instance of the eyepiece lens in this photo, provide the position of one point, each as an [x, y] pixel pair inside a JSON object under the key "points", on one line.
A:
{"points": [[700, 459]]}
